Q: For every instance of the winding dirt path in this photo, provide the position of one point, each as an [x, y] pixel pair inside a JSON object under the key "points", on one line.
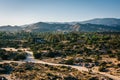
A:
{"points": [[30, 58]]}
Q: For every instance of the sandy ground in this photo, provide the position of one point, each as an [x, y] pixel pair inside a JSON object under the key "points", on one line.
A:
{"points": [[30, 58]]}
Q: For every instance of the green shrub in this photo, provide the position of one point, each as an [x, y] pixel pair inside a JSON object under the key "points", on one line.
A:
{"points": [[20, 56], [37, 55], [102, 69], [69, 62]]}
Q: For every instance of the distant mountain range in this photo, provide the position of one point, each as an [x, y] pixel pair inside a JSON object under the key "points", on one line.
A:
{"points": [[9, 28], [104, 21], [94, 25]]}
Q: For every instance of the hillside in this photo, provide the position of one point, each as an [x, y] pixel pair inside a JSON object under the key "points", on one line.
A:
{"points": [[103, 21], [44, 27], [94, 25], [9, 28]]}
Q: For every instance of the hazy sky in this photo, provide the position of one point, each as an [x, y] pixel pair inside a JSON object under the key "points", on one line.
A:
{"points": [[19, 12]]}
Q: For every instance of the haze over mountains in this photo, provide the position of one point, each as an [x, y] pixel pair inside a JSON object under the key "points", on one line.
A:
{"points": [[94, 25], [104, 21]]}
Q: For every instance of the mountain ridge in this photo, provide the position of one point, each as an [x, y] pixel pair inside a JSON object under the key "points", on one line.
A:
{"points": [[103, 21], [93, 25]]}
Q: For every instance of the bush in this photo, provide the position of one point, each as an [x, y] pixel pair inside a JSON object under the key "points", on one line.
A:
{"points": [[70, 62], [118, 64], [112, 55], [37, 55], [20, 56], [102, 69], [5, 68], [70, 78], [52, 54], [118, 56], [5, 57], [94, 78], [88, 60]]}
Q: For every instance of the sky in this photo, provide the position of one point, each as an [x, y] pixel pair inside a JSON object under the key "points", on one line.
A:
{"points": [[20, 12]]}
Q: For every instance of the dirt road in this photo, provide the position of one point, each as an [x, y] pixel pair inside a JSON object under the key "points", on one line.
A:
{"points": [[30, 58]]}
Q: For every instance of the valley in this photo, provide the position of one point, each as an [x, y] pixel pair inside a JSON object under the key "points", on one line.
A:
{"points": [[95, 55]]}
